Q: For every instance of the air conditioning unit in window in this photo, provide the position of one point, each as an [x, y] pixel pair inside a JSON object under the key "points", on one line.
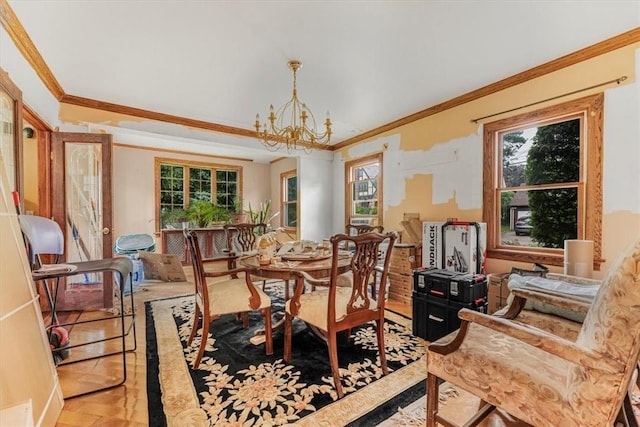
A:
{"points": [[361, 221]]}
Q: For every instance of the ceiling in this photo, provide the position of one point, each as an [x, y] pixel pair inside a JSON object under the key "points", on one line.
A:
{"points": [[367, 62]]}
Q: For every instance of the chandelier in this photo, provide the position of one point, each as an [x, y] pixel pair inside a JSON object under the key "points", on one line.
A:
{"points": [[299, 131]]}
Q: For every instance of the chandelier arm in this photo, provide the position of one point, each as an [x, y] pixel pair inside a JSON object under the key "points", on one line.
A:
{"points": [[301, 132]]}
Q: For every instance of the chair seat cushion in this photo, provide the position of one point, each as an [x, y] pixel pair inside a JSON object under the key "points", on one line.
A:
{"points": [[313, 306], [232, 296], [487, 360]]}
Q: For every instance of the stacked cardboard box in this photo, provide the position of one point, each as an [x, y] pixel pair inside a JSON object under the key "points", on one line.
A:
{"points": [[498, 291], [405, 257]]}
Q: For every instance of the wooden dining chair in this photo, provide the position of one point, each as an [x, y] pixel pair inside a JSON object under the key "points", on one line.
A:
{"points": [[332, 308], [355, 229], [230, 296], [241, 238]]}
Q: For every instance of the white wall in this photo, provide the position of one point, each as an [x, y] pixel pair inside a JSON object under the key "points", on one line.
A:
{"points": [[315, 180]]}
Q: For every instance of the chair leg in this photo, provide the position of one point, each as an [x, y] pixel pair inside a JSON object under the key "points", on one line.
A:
{"points": [[194, 328], [268, 332], [203, 341], [381, 349], [432, 399], [333, 361], [288, 319], [245, 319]]}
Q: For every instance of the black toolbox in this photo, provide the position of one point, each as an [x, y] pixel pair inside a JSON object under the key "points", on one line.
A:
{"points": [[438, 296], [433, 281], [440, 283], [468, 287]]}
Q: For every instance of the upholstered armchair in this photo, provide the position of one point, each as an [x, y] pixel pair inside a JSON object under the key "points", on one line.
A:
{"points": [[541, 378]]}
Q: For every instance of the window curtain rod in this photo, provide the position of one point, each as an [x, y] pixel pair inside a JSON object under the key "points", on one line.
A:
{"points": [[617, 81]]}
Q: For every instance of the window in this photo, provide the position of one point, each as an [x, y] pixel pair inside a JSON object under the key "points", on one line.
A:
{"points": [[363, 192], [289, 198], [179, 183], [543, 182]]}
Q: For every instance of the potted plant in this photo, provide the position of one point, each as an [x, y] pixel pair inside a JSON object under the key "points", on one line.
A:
{"points": [[173, 218], [220, 215], [203, 213], [261, 216], [238, 214]]}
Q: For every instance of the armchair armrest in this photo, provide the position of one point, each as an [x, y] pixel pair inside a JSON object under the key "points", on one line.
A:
{"points": [[569, 302], [573, 279], [535, 337], [564, 301]]}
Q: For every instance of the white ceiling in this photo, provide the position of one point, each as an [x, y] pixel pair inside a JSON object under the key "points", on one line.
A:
{"points": [[367, 62]]}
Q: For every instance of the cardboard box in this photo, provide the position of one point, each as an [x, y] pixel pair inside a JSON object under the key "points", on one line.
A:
{"points": [[459, 247], [164, 267], [498, 291], [405, 257], [400, 287]]}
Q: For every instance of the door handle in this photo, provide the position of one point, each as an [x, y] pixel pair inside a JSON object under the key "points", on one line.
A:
{"points": [[106, 231]]}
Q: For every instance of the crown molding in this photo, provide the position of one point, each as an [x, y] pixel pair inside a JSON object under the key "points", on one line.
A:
{"points": [[605, 46], [23, 42]]}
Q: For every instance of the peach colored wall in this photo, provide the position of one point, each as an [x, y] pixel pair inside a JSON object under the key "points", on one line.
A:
{"points": [[27, 373], [134, 185], [434, 166]]}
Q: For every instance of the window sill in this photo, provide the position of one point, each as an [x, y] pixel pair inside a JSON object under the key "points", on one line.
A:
{"points": [[555, 258]]}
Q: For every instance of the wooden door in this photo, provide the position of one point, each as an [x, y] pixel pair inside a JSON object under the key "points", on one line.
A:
{"points": [[81, 205]]}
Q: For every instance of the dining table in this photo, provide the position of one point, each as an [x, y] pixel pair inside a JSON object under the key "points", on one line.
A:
{"points": [[285, 268]]}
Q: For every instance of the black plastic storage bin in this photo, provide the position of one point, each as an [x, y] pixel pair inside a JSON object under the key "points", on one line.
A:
{"points": [[468, 287], [419, 319], [480, 305], [438, 318]]}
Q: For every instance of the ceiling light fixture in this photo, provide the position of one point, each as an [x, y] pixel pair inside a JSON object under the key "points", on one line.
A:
{"points": [[300, 132]]}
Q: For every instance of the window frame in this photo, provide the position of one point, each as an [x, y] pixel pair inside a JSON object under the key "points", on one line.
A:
{"points": [[284, 177], [349, 167], [591, 111], [191, 164]]}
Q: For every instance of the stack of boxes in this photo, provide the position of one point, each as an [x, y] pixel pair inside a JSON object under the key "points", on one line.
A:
{"points": [[498, 291], [405, 257]]}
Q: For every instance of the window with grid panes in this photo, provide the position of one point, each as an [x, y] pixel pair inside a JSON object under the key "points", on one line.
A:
{"points": [[180, 183], [226, 187], [289, 197], [543, 183], [364, 190]]}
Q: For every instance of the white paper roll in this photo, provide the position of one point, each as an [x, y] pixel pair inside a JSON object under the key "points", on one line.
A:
{"points": [[578, 258]]}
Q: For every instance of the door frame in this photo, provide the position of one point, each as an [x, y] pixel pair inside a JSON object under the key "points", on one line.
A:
{"points": [[58, 199]]}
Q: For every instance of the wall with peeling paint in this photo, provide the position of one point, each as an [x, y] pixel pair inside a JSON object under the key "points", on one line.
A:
{"points": [[434, 166]]}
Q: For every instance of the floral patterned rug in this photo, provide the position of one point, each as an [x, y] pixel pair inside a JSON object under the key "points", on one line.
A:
{"points": [[238, 385]]}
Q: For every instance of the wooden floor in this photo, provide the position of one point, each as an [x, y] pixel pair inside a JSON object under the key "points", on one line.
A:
{"points": [[125, 405]]}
